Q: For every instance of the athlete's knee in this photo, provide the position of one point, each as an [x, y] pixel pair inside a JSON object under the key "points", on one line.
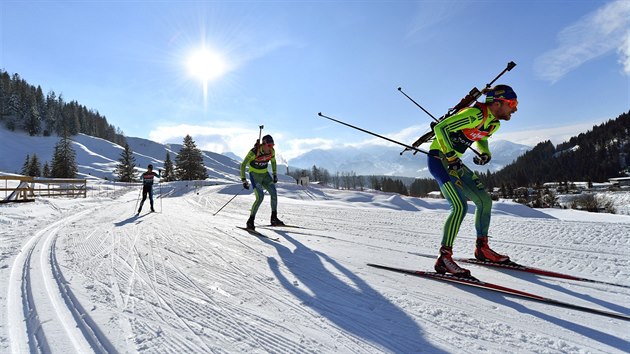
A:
{"points": [[460, 207]]}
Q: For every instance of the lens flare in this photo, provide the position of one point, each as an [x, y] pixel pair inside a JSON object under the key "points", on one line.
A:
{"points": [[206, 65]]}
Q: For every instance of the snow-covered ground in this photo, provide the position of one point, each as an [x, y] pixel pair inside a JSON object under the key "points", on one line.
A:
{"points": [[83, 275]]}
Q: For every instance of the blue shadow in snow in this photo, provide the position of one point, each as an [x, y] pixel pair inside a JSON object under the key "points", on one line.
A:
{"points": [[585, 330], [355, 308]]}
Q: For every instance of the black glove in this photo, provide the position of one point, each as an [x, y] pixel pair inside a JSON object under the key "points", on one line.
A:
{"points": [[275, 178], [482, 159], [245, 184]]}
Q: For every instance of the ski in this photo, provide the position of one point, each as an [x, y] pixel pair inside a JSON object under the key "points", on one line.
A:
{"points": [[474, 282], [523, 268], [258, 234], [527, 269], [289, 226]]}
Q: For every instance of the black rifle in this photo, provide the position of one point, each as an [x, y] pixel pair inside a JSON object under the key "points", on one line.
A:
{"points": [[467, 101]]}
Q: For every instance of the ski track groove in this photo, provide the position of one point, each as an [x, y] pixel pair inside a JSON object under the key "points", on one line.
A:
{"points": [[80, 329], [154, 278], [153, 273]]}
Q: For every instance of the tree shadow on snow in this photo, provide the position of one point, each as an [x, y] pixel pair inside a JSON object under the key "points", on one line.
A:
{"points": [[354, 307]]}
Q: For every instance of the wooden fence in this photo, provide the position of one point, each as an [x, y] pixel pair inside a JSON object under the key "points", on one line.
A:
{"points": [[30, 187]]}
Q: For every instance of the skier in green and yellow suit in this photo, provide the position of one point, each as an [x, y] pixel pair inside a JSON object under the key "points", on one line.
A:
{"points": [[457, 182], [258, 159]]}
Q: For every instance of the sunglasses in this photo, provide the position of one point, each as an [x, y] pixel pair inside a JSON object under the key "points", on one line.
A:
{"points": [[511, 103]]}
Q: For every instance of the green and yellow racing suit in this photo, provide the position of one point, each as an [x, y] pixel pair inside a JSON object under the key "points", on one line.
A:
{"points": [[453, 136], [259, 176]]}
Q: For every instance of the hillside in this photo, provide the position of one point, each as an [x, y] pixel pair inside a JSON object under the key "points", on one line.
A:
{"points": [[595, 156], [97, 158]]}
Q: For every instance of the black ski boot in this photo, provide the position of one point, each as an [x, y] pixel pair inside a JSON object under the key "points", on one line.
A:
{"points": [[274, 219], [250, 223]]}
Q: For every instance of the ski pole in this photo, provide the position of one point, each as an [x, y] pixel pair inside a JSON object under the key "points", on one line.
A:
{"points": [[224, 205], [160, 185], [137, 200], [376, 135], [416, 103]]}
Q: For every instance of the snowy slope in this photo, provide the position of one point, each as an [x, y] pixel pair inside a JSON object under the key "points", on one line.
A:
{"points": [[97, 158], [84, 275]]}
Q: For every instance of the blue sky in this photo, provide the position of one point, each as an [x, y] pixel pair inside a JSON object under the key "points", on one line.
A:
{"points": [[281, 62]]}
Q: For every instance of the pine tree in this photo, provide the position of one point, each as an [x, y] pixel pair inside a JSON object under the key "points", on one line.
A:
{"points": [[34, 167], [32, 121], [64, 159], [46, 170], [189, 162], [125, 170], [24, 170], [167, 174]]}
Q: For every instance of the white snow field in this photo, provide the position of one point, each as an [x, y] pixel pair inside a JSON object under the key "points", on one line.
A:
{"points": [[86, 275]]}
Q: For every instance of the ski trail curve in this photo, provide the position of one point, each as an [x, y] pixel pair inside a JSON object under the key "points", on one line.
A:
{"points": [[40, 301]]}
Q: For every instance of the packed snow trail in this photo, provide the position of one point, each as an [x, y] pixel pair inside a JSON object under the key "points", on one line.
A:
{"points": [[40, 302], [182, 280]]}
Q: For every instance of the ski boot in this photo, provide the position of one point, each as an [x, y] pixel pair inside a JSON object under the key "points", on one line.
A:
{"points": [[483, 252], [250, 223], [446, 264], [274, 219]]}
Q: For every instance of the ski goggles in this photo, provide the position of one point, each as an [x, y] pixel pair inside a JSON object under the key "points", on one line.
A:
{"points": [[511, 103]]}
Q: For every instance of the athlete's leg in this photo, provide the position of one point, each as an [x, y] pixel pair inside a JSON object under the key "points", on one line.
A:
{"points": [[475, 191], [451, 188], [256, 178]]}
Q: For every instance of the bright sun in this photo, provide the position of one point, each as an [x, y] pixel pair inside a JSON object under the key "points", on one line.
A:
{"points": [[206, 65]]}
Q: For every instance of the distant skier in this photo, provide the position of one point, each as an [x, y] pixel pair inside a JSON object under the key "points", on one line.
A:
{"points": [[457, 182], [258, 159], [147, 186]]}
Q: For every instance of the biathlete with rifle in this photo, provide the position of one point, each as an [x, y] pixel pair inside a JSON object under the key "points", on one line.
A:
{"points": [[457, 182], [258, 159]]}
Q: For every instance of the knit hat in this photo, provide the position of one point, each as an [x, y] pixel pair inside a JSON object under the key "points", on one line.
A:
{"points": [[500, 91], [267, 139]]}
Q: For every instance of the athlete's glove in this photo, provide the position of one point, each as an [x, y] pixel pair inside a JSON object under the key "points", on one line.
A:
{"points": [[482, 159], [275, 178], [245, 184]]}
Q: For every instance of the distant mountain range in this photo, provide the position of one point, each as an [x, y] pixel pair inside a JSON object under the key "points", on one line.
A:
{"points": [[98, 158], [387, 161]]}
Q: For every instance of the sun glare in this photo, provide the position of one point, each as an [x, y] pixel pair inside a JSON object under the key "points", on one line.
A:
{"points": [[206, 65]]}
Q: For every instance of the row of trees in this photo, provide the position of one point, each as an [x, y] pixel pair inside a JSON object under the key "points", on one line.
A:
{"points": [[595, 156], [188, 163], [63, 164], [350, 180], [25, 107]]}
